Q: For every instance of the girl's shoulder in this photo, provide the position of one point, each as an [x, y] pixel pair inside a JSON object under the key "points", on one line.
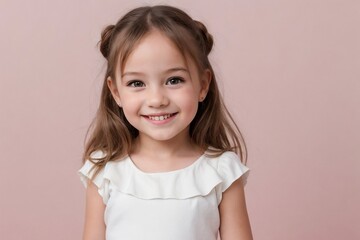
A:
{"points": [[229, 166]]}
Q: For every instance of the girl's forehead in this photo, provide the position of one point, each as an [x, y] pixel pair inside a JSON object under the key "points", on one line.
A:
{"points": [[155, 51]]}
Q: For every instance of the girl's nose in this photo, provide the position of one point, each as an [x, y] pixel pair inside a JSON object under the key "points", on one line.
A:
{"points": [[157, 98]]}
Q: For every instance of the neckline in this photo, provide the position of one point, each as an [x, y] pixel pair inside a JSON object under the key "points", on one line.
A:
{"points": [[192, 165]]}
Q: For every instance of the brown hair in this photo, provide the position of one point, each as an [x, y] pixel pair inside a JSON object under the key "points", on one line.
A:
{"points": [[212, 126]]}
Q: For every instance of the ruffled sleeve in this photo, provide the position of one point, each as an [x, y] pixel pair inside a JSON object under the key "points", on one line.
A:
{"points": [[230, 169], [86, 173]]}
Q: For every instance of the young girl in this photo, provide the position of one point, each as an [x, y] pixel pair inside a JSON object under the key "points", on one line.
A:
{"points": [[160, 161]]}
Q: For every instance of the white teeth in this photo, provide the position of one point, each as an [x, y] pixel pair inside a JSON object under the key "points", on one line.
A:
{"points": [[160, 118]]}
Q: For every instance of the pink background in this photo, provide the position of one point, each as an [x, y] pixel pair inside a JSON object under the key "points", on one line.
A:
{"points": [[290, 73]]}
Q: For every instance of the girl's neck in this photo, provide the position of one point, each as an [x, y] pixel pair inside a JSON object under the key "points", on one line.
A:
{"points": [[153, 156], [169, 148]]}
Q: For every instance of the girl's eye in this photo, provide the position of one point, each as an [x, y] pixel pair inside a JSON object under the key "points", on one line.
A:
{"points": [[174, 81], [135, 84]]}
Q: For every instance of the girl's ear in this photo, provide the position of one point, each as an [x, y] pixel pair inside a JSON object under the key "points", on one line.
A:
{"points": [[111, 83], [205, 83]]}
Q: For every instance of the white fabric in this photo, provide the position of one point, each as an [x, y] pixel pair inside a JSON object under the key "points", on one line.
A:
{"points": [[176, 205]]}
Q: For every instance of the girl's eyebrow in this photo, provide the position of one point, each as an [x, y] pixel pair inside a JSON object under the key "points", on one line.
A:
{"points": [[131, 73], [175, 69]]}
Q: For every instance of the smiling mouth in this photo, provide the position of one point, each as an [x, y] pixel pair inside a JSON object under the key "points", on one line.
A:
{"points": [[160, 117]]}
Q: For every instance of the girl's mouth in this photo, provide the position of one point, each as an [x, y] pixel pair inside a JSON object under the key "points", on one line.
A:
{"points": [[160, 117]]}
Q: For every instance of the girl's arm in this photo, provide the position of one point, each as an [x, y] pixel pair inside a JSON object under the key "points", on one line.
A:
{"points": [[94, 214], [234, 220]]}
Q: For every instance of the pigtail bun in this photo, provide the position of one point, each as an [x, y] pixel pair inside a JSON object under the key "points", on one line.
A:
{"points": [[206, 37], [105, 40]]}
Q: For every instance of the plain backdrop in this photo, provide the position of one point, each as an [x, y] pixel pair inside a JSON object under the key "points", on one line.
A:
{"points": [[289, 71]]}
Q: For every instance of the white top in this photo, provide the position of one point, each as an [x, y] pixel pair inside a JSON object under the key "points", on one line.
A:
{"points": [[176, 205]]}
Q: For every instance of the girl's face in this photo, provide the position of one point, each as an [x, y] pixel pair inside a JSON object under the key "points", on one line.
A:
{"points": [[158, 91]]}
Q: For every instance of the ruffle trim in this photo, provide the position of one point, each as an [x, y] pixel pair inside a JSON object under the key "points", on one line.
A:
{"points": [[198, 179]]}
